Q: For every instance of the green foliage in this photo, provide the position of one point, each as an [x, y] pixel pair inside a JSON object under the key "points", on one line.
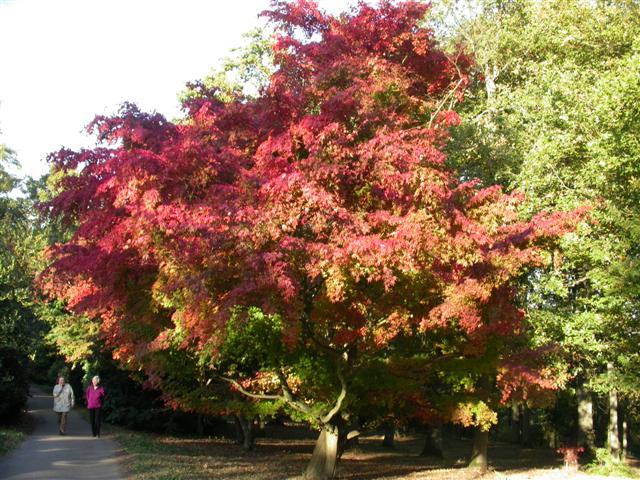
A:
{"points": [[605, 464], [72, 337], [128, 403], [7, 181], [9, 439], [14, 381], [241, 75], [554, 113], [20, 330], [253, 341]]}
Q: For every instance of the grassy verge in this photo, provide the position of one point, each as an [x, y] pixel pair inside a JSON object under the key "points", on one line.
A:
{"points": [[604, 464], [12, 435]]}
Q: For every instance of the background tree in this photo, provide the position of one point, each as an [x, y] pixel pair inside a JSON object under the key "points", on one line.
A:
{"points": [[552, 114], [242, 75], [20, 328]]}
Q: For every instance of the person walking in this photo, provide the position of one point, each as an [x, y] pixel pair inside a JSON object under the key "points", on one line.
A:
{"points": [[95, 399], [63, 401]]}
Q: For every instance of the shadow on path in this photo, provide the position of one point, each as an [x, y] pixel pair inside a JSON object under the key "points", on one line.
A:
{"points": [[46, 455]]}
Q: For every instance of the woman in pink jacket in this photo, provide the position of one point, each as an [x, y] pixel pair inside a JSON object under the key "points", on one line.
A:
{"points": [[95, 397]]}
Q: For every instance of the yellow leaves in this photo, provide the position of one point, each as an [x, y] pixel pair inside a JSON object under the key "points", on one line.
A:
{"points": [[336, 285], [474, 414]]}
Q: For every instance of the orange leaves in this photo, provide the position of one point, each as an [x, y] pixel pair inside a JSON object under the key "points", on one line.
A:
{"points": [[475, 413], [397, 323]]}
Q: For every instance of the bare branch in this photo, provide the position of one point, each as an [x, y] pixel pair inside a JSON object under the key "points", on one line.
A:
{"points": [[443, 101], [577, 282]]}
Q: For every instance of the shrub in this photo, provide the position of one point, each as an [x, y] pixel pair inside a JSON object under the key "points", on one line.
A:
{"points": [[14, 382], [606, 464]]}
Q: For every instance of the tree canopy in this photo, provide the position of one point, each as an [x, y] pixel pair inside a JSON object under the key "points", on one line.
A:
{"points": [[289, 242]]}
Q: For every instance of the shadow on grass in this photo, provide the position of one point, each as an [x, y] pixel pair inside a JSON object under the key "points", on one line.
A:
{"points": [[151, 457]]}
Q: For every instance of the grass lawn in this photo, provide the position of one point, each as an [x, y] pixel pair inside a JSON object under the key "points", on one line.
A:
{"points": [[283, 454]]}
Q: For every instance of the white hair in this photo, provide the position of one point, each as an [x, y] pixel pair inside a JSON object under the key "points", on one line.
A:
{"points": [[95, 377]]}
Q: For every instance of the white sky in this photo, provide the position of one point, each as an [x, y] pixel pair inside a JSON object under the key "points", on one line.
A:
{"points": [[64, 61]]}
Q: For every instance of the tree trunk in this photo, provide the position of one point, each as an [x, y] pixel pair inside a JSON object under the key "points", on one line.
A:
{"points": [[200, 425], [248, 432], [349, 436], [479, 458], [525, 428], [613, 440], [514, 423], [433, 442], [238, 429], [625, 437], [325, 455], [245, 432], [600, 419], [490, 74], [586, 433], [389, 436], [261, 427], [622, 428]]}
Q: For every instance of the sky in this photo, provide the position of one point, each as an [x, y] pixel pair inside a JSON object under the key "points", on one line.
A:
{"points": [[65, 61]]}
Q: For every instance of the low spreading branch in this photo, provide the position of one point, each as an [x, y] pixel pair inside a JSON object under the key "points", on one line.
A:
{"points": [[257, 396], [288, 395]]}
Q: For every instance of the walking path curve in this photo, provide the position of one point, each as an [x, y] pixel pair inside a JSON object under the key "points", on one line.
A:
{"points": [[46, 455]]}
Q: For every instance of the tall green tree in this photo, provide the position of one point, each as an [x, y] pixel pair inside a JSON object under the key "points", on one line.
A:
{"points": [[555, 113], [20, 329]]}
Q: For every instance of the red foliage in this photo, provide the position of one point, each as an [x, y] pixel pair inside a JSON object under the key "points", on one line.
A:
{"points": [[326, 200], [571, 455]]}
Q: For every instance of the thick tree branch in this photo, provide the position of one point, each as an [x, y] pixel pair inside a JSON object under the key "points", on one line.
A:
{"points": [[258, 396], [288, 395], [343, 393]]}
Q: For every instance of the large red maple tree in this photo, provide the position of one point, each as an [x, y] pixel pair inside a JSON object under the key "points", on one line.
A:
{"points": [[288, 241]]}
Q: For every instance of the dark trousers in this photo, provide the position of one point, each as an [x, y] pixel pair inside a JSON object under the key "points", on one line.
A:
{"points": [[62, 421], [95, 417]]}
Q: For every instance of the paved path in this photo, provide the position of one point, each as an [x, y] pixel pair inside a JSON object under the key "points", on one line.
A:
{"points": [[46, 455]]}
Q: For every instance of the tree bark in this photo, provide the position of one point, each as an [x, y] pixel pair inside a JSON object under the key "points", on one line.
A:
{"points": [[586, 433], [200, 425], [238, 429], [389, 436], [625, 437], [525, 429], [349, 436], [245, 431], [325, 455], [490, 74], [622, 428], [479, 458], [613, 440], [433, 442], [515, 420]]}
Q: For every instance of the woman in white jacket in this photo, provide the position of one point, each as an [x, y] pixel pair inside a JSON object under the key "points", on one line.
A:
{"points": [[63, 401]]}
